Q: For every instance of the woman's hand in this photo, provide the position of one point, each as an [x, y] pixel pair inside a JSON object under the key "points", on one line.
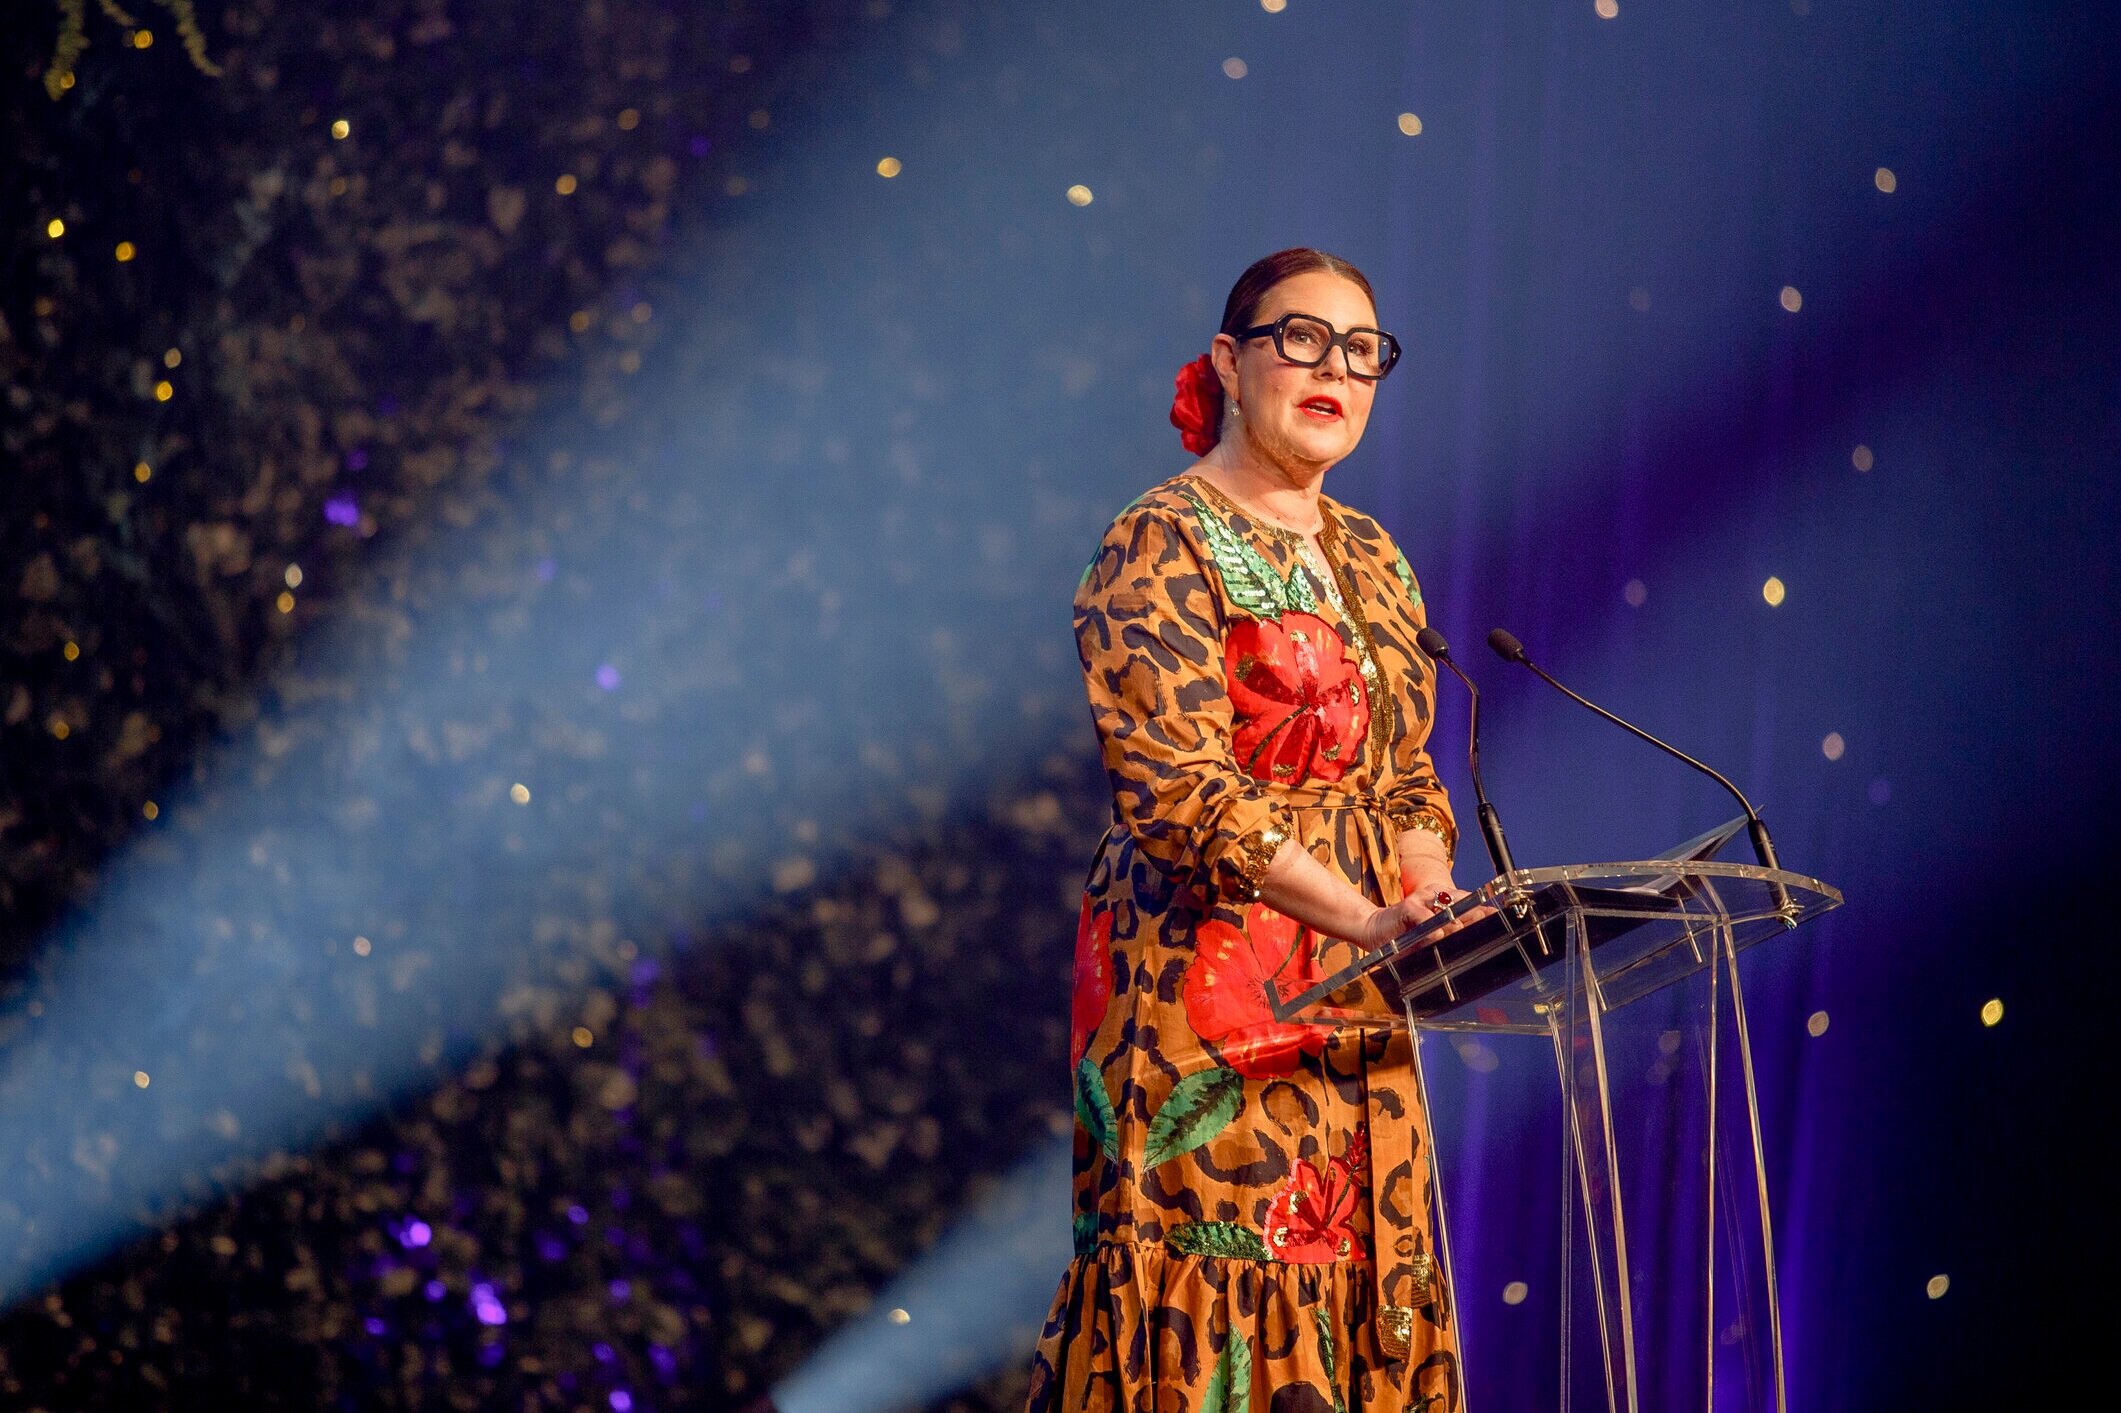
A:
{"points": [[1427, 883]]}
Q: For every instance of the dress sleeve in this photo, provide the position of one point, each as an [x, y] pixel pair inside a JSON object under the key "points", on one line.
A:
{"points": [[1415, 790], [1149, 628]]}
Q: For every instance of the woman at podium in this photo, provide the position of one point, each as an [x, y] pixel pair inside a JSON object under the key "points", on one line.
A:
{"points": [[1251, 1197]]}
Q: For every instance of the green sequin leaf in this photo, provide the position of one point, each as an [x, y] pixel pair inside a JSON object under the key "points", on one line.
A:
{"points": [[1229, 1388], [1247, 577], [1200, 1106], [1085, 1232], [1094, 1107], [1227, 1240], [1325, 1355], [1297, 593], [1406, 577]]}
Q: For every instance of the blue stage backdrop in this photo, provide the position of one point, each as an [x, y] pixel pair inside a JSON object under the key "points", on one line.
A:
{"points": [[545, 772]]}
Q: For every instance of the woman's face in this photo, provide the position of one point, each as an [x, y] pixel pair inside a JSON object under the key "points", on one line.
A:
{"points": [[1312, 416]]}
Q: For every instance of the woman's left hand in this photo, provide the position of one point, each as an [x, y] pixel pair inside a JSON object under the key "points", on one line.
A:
{"points": [[1427, 882]]}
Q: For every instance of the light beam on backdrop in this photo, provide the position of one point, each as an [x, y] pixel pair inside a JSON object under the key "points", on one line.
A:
{"points": [[775, 589], [968, 1307]]}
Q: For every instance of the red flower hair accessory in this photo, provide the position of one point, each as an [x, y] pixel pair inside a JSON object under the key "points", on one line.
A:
{"points": [[1197, 406]]}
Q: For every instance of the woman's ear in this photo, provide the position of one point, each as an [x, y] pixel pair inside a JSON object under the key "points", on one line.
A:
{"points": [[1224, 354]]}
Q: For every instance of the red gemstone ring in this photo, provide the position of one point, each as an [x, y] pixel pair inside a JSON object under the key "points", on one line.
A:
{"points": [[1443, 898]]}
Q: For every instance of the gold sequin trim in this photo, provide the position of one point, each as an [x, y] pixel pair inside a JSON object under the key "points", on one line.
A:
{"points": [[1429, 818], [1254, 852], [1395, 1330], [1384, 711]]}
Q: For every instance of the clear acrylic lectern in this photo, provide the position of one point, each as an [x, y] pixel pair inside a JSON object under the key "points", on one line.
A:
{"points": [[1609, 964]]}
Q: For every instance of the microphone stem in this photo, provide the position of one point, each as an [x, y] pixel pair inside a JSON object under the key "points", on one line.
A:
{"points": [[1752, 815], [1490, 822], [1756, 828]]}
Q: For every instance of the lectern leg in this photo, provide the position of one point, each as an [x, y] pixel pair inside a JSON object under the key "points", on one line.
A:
{"points": [[1443, 1227], [1710, 1051], [1588, 1146], [1752, 1111]]}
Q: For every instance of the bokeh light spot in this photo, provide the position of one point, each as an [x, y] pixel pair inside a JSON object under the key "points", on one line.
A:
{"points": [[1791, 299], [141, 471], [1774, 592], [126, 250], [629, 119], [1861, 458], [55, 228], [1937, 1286], [1992, 1011], [583, 1037], [1079, 195], [900, 1317], [362, 946], [565, 183], [341, 129], [889, 167], [140, 1079], [1885, 181], [1636, 593], [165, 390], [1410, 124], [1234, 67], [1833, 747], [1515, 1292], [1607, 9], [71, 651], [143, 39], [1816, 1025], [519, 792], [150, 810], [1274, 7]]}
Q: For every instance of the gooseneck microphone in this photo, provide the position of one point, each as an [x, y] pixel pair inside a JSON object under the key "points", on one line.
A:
{"points": [[1433, 643], [1509, 649]]}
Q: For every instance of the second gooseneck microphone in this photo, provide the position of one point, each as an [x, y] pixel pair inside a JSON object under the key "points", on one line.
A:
{"points": [[1433, 643], [1509, 649]]}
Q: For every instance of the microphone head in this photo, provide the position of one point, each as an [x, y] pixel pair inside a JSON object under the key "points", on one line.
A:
{"points": [[1433, 643], [1507, 647]]}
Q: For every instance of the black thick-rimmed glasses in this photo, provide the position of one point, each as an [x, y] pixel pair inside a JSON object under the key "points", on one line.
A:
{"points": [[1306, 339]]}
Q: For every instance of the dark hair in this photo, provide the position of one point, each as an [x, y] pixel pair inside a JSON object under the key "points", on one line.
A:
{"points": [[1265, 273]]}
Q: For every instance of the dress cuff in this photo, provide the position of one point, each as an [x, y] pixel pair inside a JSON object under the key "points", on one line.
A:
{"points": [[1252, 854], [1428, 817]]}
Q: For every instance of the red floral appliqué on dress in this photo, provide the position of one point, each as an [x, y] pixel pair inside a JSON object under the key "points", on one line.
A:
{"points": [[1226, 984], [1093, 978], [1309, 1218], [1299, 700]]}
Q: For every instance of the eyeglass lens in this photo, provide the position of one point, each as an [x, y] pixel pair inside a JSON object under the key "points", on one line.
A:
{"points": [[1305, 341]]}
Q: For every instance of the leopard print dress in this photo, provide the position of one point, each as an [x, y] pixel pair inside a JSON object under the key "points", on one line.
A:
{"points": [[1252, 1197]]}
